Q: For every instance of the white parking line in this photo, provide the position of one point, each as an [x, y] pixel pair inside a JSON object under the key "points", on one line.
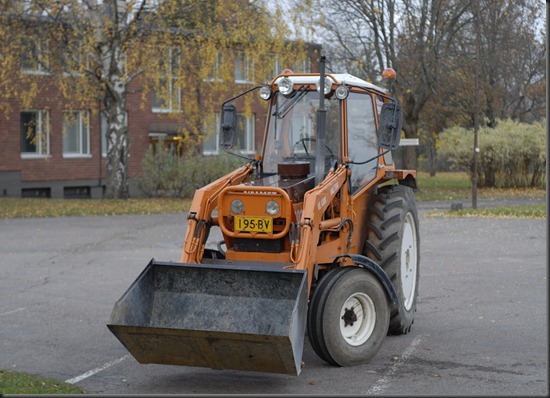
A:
{"points": [[13, 311], [383, 382], [96, 370]]}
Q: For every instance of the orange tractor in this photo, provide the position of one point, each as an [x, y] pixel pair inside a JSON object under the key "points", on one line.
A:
{"points": [[320, 237]]}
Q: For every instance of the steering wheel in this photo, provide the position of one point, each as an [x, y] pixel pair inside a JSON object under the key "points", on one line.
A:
{"points": [[328, 159], [303, 142]]}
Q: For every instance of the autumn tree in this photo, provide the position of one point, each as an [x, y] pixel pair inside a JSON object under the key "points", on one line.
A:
{"points": [[431, 44], [108, 49], [411, 36], [511, 63]]}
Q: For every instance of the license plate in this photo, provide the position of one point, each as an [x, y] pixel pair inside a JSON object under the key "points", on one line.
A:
{"points": [[253, 224]]}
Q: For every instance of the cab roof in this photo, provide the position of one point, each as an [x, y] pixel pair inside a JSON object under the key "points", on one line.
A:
{"points": [[337, 78]]}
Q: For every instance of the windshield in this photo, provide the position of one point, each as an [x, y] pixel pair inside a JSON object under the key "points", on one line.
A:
{"points": [[292, 130]]}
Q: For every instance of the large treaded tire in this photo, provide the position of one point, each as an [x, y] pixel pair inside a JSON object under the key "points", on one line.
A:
{"points": [[393, 242], [348, 316]]}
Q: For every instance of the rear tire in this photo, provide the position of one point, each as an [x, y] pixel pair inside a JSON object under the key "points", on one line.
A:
{"points": [[393, 242], [349, 318]]}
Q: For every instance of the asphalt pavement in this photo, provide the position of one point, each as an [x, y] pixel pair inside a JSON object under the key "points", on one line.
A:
{"points": [[481, 326]]}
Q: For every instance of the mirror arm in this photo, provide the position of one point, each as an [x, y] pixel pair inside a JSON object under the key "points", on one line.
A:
{"points": [[240, 95]]}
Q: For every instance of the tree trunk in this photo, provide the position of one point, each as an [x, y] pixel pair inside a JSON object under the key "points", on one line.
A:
{"points": [[118, 143], [410, 127]]}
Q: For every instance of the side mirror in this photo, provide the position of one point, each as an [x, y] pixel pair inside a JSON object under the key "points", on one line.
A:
{"points": [[389, 125], [228, 125]]}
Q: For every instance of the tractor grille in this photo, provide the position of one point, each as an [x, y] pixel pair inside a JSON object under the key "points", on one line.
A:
{"points": [[258, 245]]}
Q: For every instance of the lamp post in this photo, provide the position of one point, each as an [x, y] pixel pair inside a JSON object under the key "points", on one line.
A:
{"points": [[476, 109]]}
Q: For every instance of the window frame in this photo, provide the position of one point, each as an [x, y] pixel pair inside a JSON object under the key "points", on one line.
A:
{"points": [[43, 117], [215, 74], [212, 130], [83, 125], [247, 63], [39, 57], [303, 66], [171, 82], [248, 147]]}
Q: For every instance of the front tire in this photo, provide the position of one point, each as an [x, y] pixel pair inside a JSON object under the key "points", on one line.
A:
{"points": [[393, 242], [349, 318]]}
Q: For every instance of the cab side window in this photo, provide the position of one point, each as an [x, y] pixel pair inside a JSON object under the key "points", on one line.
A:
{"points": [[362, 139]]}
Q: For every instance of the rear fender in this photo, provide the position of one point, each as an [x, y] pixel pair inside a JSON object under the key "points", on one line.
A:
{"points": [[371, 266]]}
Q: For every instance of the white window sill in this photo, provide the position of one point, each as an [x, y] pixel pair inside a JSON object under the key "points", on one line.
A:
{"points": [[76, 156], [35, 72], [34, 156], [159, 110]]}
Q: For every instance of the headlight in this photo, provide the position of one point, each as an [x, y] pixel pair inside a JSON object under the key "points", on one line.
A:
{"points": [[341, 92], [237, 206], [285, 86], [328, 85], [272, 208], [265, 93]]}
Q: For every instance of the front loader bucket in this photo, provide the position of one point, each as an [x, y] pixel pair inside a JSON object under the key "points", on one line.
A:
{"points": [[215, 315]]}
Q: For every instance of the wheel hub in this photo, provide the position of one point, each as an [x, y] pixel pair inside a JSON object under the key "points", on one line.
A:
{"points": [[357, 319], [349, 317]]}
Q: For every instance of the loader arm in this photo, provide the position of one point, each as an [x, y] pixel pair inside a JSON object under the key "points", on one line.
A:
{"points": [[200, 214], [316, 202]]}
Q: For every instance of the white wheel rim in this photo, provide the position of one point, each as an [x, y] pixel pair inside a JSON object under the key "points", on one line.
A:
{"points": [[409, 260], [357, 332]]}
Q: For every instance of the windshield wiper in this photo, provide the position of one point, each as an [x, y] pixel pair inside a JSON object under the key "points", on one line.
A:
{"points": [[287, 106]]}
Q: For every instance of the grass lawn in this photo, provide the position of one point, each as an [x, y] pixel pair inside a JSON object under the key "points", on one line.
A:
{"points": [[44, 207], [528, 211], [23, 383], [444, 186], [456, 186]]}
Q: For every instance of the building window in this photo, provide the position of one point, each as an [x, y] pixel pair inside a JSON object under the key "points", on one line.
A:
{"points": [[244, 134], [243, 68], [35, 57], [35, 133], [272, 66], [302, 66], [74, 60], [76, 133], [276, 68], [167, 96], [211, 143], [214, 75], [244, 141]]}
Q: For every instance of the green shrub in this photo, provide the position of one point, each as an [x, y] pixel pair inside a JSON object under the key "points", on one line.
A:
{"points": [[511, 155], [165, 174], [160, 172]]}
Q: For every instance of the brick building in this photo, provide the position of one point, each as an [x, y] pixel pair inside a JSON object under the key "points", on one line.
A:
{"points": [[51, 149]]}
